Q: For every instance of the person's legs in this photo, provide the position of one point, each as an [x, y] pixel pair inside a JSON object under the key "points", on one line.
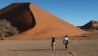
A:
{"points": [[66, 46], [53, 46]]}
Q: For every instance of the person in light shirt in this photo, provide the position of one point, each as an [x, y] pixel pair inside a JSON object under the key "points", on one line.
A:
{"points": [[65, 41]]}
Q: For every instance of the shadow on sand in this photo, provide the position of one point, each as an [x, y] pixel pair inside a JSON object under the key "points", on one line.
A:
{"points": [[43, 50]]}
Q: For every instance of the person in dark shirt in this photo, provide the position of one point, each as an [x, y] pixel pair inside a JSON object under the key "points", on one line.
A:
{"points": [[53, 43]]}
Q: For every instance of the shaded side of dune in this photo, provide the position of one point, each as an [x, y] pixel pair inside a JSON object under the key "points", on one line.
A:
{"points": [[20, 16]]}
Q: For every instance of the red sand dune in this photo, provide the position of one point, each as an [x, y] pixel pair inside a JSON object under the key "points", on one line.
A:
{"points": [[91, 25], [35, 23]]}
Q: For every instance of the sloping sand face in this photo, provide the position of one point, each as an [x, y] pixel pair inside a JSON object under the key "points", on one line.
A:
{"points": [[35, 23]]}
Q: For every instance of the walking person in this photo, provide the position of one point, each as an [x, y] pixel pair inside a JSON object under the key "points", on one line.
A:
{"points": [[65, 41], [53, 43]]}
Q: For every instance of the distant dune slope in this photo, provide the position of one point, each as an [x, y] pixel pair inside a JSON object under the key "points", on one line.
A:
{"points": [[35, 23], [92, 25]]}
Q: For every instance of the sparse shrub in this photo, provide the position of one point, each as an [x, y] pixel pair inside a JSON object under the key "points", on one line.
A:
{"points": [[6, 29]]}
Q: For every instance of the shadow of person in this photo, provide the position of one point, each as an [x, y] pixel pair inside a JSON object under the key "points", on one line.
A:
{"points": [[60, 49]]}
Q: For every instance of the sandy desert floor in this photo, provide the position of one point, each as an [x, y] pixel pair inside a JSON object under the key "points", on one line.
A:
{"points": [[42, 48]]}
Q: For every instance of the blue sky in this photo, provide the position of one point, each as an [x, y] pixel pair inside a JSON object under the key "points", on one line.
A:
{"points": [[76, 12]]}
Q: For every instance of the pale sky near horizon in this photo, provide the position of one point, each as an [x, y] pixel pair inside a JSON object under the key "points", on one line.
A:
{"points": [[76, 12]]}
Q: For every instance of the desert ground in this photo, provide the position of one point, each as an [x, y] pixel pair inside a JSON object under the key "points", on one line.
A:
{"points": [[42, 48]]}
